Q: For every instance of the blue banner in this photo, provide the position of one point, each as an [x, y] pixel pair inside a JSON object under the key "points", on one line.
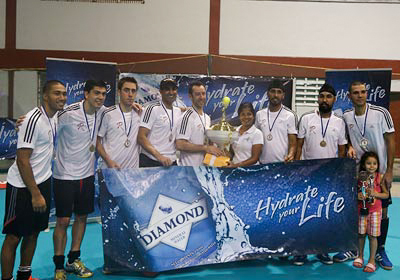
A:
{"points": [[238, 88], [377, 83], [157, 219], [8, 138], [74, 73]]}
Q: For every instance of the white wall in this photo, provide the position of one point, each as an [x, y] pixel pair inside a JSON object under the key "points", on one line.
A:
{"points": [[3, 94], [158, 26], [306, 29], [25, 92], [2, 24]]}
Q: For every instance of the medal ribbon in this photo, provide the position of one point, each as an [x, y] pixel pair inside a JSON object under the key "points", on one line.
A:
{"points": [[171, 123], [123, 117], [53, 132], [322, 126], [271, 127], [365, 121], [204, 117], [91, 134]]}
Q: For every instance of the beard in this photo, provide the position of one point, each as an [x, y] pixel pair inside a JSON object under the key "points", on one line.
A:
{"points": [[324, 108]]}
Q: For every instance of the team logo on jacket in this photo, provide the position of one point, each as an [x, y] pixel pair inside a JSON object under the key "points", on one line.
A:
{"points": [[171, 222], [81, 126]]}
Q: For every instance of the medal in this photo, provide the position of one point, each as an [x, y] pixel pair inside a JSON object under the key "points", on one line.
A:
{"points": [[269, 136], [91, 148], [170, 119], [323, 142], [91, 134], [126, 131], [364, 143]]}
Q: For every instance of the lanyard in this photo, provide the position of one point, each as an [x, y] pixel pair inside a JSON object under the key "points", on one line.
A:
{"points": [[53, 132], [365, 121], [171, 123], [91, 134], [204, 117], [123, 117], [271, 127], [322, 126]]}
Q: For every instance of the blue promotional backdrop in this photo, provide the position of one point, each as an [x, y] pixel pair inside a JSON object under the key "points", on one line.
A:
{"points": [[238, 88], [8, 138], [157, 219], [74, 73], [377, 83]]}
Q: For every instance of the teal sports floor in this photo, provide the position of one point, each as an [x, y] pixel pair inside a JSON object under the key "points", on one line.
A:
{"points": [[92, 255]]}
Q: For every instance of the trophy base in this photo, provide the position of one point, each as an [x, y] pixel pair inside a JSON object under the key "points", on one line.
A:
{"points": [[364, 211], [215, 161]]}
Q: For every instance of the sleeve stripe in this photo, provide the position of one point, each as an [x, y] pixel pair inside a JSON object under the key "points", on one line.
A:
{"points": [[386, 114], [147, 114], [69, 108], [296, 119], [30, 128], [185, 121], [110, 109]]}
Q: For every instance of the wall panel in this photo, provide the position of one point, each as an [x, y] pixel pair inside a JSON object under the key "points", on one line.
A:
{"points": [[158, 26]]}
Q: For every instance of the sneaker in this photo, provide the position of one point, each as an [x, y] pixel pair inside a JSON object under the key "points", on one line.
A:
{"points": [[325, 258], [79, 269], [299, 260], [383, 259], [31, 278], [345, 256], [60, 274]]}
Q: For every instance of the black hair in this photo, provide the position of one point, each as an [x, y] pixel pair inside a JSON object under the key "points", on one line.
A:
{"points": [[124, 80], [195, 84], [90, 84], [48, 85], [364, 158], [247, 105]]}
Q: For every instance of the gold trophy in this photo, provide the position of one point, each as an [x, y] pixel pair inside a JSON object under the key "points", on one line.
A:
{"points": [[223, 134]]}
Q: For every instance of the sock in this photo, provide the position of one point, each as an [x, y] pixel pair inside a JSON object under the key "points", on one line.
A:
{"points": [[73, 255], [384, 231], [24, 272], [59, 261]]}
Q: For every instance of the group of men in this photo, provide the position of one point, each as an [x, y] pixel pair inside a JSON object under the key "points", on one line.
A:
{"points": [[124, 137]]}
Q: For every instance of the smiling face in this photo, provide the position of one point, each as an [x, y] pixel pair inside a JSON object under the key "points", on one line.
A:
{"points": [[371, 165], [95, 97], [168, 95], [198, 97], [55, 98], [246, 117]]}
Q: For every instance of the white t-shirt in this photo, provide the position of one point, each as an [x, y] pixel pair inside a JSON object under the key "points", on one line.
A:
{"points": [[76, 134], [276, 149], [310, 129], [192, 127], [242, 147], [379, 122], [116, 129], [158, 119], [36, 133]]}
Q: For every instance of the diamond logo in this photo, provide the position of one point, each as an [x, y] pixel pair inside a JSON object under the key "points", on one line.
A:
{"points": [[171, 222]]}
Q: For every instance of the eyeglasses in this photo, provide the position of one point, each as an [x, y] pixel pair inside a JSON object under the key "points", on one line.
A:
{"points": [[128, 90]]}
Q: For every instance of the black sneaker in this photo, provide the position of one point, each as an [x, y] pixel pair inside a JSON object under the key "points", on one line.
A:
{"points": [[325, 258], [299, 260]]}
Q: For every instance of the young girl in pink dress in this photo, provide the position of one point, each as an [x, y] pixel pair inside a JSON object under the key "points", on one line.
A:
{"points": [[370, 224]]}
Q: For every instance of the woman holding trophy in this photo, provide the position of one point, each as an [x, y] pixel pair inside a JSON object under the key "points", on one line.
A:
{"points": [[370, 193], [247, 148]]}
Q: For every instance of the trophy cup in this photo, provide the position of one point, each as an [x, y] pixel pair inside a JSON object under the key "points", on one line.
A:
{"points": [[223, 134], [364, 178]]}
